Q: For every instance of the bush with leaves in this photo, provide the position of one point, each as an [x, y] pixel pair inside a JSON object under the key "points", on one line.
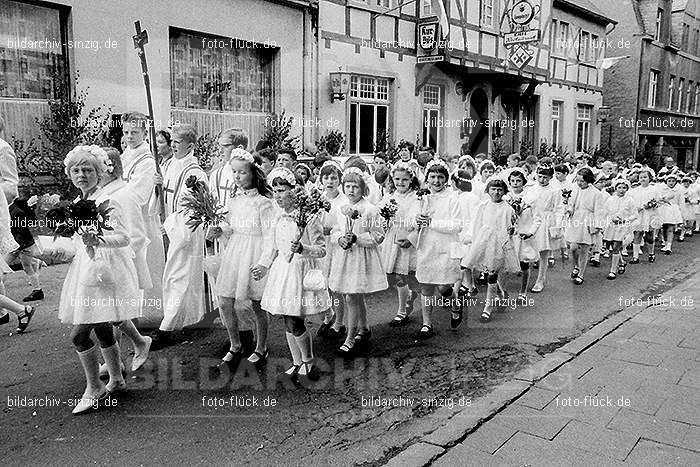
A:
{"points": [[333, 142], [278, 130], [205, 150]]}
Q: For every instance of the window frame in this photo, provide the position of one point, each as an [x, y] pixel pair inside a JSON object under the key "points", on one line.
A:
{"points": [[381, 86], [585, 123], [659, 22], [671, 88], [653, 83], [679, 104], [482, 16], [430, 108], [556, 134]]}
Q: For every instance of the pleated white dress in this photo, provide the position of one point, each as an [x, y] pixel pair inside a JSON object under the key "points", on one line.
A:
{"points": [[397, 260], [106, 288]]}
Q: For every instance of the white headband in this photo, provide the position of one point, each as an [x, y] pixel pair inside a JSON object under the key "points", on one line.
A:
{"points": [[94, 150], [332, 163], [404, 167], [435, 162], [242, 154], [283, 173], [353, 170]]}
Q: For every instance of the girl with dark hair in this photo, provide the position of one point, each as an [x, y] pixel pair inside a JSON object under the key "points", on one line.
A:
{"points": [[645, 196], [397, 252], [523, 237], [331, 174], [585, 211], [248, 227], [545, 201], [437, 235], [492, 248], [290, 259]]}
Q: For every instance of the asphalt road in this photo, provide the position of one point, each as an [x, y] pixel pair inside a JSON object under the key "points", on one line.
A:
{"points": [[178, 409]]}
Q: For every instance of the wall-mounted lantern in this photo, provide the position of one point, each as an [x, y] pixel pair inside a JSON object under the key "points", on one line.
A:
{"points": [[340, 85]]}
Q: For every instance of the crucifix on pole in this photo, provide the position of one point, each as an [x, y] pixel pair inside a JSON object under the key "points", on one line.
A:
{"points": [[140, 40]]}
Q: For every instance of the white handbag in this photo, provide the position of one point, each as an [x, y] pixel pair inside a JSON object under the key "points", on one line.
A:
{"points": [[314, 281]]}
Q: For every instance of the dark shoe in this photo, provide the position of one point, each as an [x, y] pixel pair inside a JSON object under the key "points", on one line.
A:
{"points": [[5, 319], [345, 351], [595, 262], [574, 273], [536, 265], [578, 280], [161, 340], [312, 374], [290, 375], [621, 269], [398, 321], [259, 359], [652, 258], [551, 262], [634, 261], [425, 332], [323, 329], [37, 294], [473, 292], [681, 239], [232, 359], [448, 293], [339, 334], [481, 280], [24, 319], [667, 252], [247, 343], [362, 341], [612, 276]]}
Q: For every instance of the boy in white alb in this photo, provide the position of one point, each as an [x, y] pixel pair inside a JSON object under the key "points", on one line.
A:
{"points": [[183, 276]]}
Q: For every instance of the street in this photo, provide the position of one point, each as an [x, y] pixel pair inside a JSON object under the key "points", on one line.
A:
{"points": [[364, 411]]}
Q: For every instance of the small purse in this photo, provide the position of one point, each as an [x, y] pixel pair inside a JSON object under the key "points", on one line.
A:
{"points": [[314, 281]]}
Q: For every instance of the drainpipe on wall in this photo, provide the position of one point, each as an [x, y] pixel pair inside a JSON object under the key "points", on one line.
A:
{"points": [[639, 97]]}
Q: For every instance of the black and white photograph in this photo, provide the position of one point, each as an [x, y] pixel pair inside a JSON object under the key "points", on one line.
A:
{"points": [[350, 232]]}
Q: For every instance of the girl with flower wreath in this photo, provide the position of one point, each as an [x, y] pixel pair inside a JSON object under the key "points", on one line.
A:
{"points": [[357, 270], [397, 252], [101, 286], [646, 197], [620, 216], [293, 256], [670, 209], [436, 238], [241, 276]]}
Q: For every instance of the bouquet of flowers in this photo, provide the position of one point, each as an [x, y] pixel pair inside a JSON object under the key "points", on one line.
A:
{"points": [[351, 215], [565, 195], [388, 211], [652, 204], [308, 205], [202, 206], [424, 203], [83, 217]]}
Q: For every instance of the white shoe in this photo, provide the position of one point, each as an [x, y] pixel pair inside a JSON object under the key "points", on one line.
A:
{"points": [[140, 356], [90, 401]]}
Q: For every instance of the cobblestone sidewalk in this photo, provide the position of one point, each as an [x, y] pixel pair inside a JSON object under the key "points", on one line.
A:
{"points": [[627, 394]]}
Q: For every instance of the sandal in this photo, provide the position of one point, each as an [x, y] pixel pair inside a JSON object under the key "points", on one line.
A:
{"points": [[232, 359], [345, 351], [311, 373], [425, 332], [261, 358], [574, 273], [485, 316], [25, 318], [537, 288], [612, 276]]}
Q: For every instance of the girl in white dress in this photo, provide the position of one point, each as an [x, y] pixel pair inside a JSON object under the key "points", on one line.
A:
{"points": [[669, 210], [100, 290], [288, 263], [333, 326], [435, 237], [620, 217], [523, 237], [646, 197], [561, 172], [397, 252], [687, 207], [357, 269], [248, 226], [695, 187], [598, 248], [468, 205], [492, 248], [544, 200], [585, 211]]}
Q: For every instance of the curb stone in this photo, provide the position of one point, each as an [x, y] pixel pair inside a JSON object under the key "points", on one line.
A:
{"points": [[432, 445]]}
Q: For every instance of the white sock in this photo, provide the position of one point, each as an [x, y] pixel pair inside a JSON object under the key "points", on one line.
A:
{"points": [[305, 346], [294, 349], [615, 263]]}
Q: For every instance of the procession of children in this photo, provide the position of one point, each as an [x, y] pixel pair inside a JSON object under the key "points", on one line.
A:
{"points": [[264, 235]]}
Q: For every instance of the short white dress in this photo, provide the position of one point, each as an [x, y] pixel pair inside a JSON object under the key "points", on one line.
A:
{"points": [[641, 196], [687, 206], [492, 248], [545, 208], [328, 220], [468, 207], [670, 211], [437, 244], [105, 288], [284, 293], [249, 223], [586, 207], [623, 208], [397, 260], [358, 270], [525, 249]]}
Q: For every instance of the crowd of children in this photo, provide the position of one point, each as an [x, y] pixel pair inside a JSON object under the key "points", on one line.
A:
{"points": [[433, 229]]}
